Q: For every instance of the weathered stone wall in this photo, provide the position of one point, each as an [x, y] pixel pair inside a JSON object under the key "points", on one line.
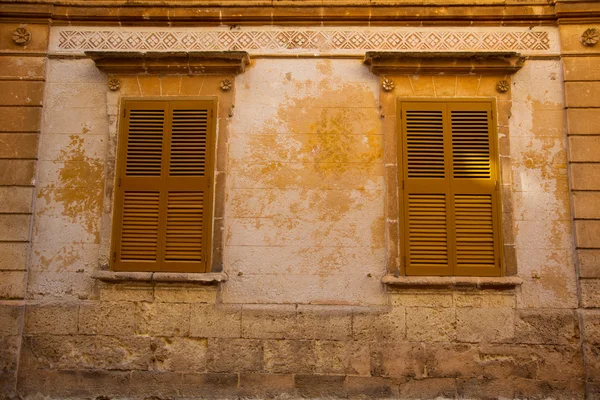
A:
{"points": [[306, 219], [304, 211], [22, 75]]}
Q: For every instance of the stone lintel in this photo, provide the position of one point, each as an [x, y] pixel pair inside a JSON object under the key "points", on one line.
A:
{"points": [[191, 63], [175, 277], [505, 282], [443, 63]]}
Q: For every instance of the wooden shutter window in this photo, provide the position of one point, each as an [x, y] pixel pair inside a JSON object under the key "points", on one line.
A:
{"points": [[450, 200], [162, 210]]}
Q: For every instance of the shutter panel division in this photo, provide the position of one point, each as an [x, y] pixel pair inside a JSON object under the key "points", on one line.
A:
{"points": [[161, 217], [425, 144], [139, 232], [474, 189], [188, 142], [427, 231], [450, 203], [470, 144], [188, 222], [137, 208], [426, 189]]}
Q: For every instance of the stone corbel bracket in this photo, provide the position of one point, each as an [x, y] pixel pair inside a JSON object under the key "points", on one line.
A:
{"points": [[446, 63], [191, 63]]}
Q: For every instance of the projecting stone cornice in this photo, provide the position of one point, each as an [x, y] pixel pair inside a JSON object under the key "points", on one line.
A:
{"points": [[446, 63], [201, 62]]}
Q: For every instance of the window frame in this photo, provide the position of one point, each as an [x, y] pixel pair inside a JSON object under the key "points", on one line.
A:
{"points": [[495, 159]]}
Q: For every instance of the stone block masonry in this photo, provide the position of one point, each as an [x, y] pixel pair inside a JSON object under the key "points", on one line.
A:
{"points": [[22, 83], [137, 342]]}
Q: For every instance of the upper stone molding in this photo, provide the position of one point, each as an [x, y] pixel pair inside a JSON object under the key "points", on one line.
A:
{"points": [[206, 62], [450, 63], [310, 41]]}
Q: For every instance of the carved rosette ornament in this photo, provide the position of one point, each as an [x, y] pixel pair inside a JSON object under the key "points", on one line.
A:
{"points": [[502, 86], [114, 84], [226, 85], [387, 84], [590, 37], [21, 35]]}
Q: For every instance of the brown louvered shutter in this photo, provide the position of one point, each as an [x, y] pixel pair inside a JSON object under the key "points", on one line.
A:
{"points": [[474, 189], [450, 218], [188, 220], [426, 189], [162, 218]]}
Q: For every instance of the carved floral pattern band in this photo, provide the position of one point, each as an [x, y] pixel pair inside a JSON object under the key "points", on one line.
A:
{"points": [[301, 40]]}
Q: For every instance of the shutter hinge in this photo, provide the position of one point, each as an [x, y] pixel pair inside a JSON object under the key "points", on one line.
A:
{"points": [[212, 113], [114, 256], [208, 181], [124, 112], [119, 181], [402, 184]]}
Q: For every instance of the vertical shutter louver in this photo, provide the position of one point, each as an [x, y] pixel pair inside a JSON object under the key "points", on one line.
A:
{"points": [[187, 224], [426, 193], [451, 214], [161, 220], [474, 192]]}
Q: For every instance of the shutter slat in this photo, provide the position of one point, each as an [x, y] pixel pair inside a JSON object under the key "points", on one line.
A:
{"points": [[139, 229], [188, 142], [474, 243], [144, 142], [424, 142], [427, 230], [470, 144], [184, 232]]}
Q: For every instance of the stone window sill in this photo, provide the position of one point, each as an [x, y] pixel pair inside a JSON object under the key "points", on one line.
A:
{"points": [[211, 278], [452, 282]]}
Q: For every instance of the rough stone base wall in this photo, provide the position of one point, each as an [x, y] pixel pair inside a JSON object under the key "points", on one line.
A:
{"points": [[173, 341]]}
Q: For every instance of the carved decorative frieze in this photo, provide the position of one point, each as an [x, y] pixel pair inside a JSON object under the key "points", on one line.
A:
{"points": [[401, 63], [314, 40], [21, 35], [208, 62]]}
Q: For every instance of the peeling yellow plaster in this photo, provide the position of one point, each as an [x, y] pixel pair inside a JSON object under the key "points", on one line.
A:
{"points": [[80, 187]]}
